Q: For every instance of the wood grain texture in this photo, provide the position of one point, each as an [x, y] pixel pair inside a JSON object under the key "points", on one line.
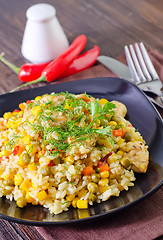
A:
{"points": [[109, 24]]}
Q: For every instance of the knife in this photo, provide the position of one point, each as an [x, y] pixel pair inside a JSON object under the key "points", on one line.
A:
{"points": [[122, 71], [116, 67]]}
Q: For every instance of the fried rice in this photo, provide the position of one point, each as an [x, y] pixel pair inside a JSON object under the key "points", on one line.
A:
{"points": [[62, 149]]}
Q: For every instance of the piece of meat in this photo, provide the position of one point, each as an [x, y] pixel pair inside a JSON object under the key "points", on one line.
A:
{"points": [[139, 156], [121, 109]]}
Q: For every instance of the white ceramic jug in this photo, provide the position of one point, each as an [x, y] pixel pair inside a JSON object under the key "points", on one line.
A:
{"points": [[44, 38]]}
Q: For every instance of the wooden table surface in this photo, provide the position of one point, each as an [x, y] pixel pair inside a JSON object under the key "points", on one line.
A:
{"points": [[109, 24]]}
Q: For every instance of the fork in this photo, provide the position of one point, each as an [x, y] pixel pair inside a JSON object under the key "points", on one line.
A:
{"points": [[143, 72]]}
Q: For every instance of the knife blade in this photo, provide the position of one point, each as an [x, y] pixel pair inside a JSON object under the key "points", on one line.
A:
{"points": [[116, 67], [122, 71]]}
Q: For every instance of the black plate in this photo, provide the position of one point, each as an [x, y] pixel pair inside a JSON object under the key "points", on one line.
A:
{"points": [[141, 113]]}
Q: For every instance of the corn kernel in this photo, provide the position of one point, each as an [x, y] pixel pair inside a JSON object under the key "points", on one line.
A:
{"points": [[25, 185], [36, 110], [82, 204], [7, 115], [82, 193], [21, 202], [34, 186], [18, 179], [22, 106], [37, 98], [9, 124], [104, 174], [111, 159], [31, 148], [83, 213], [74, 202], [103, 189], [21, 162], [29, 198], [67, 106], [98, 122], [112, 123], [20, 113], [5, 153], [32, 167], [103, 101], [69, 159], [27, 139], [103, 182], [42, 195], [120, 141], [120, 153], [70, 197], [122, 124]]}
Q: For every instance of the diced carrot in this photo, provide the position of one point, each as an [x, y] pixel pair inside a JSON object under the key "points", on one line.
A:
{"points": [[104, 167], [29, 101], [16, 110], [16, 150], [118, 133], [87, 170]]}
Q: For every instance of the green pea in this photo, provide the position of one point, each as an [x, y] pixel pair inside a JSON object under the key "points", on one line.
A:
{"points": [[104, 122], [127, 136], [125, 162], [116, 118], [8, 182], [5, 191], [92, 197], [45, 170], [26, 158]]}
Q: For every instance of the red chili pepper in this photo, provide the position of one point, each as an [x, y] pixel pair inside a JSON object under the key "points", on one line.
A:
{"points": [[102, 160], [51, 164], [56, 67], [28, 71], [59, 65], [82, 62]]}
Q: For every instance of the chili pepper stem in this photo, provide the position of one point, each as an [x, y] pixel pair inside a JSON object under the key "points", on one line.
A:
{"points": [[41, 79], [12, 66]]}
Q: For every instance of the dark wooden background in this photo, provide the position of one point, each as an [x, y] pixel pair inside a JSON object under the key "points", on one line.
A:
{"points": [[110, 24]]}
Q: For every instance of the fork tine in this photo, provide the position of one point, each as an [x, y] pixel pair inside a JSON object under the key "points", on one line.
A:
{"points": [[148, 62], [144, 68], [137, 65], [131, 66]]}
